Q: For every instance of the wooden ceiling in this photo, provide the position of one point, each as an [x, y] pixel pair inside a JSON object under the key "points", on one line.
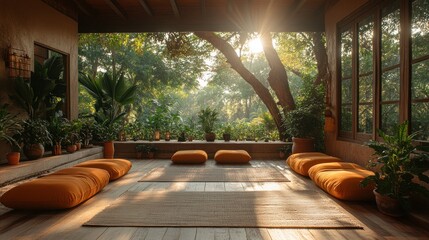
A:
{"points": [[199, 15]]}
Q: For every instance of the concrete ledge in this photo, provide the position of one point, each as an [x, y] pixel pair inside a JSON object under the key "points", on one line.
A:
{"points": [[258, 150], [26, 169]]}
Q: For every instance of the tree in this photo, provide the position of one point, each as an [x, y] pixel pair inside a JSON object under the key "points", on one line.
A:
{"points": [[281, 100]]}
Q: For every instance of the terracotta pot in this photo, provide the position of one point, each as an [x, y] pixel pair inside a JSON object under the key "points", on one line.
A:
{"points": [[139, 155], [71, 148], [282, 155], [78, 146], [226, 137], [210, 137], [13, 158], [329, 124], [389, 206], [190, 138], [34, 151], [167, 136], [57, 149], [301, 145], [109, 149]]}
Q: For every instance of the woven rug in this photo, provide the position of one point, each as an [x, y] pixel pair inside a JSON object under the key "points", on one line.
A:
{"points": [[270, 209], [248, 174]]}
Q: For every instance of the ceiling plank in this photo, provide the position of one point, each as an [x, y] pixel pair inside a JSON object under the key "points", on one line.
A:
{"points": [[84, 7], [175, 8], [114, 5], [146, 7], [203, 8]]}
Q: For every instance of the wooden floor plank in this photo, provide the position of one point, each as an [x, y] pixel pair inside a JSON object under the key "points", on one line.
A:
{"points": [[67, 224], [188, 233], [257, 234]]}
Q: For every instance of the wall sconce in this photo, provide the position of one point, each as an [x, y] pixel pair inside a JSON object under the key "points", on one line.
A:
{"points": [[18, 63]]}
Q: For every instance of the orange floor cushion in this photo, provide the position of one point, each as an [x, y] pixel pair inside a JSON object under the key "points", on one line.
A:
{"points": [[189, 156], [232, 156], [116, 167], [60, 190], [331, 166], [302, 162], [344, 184]]}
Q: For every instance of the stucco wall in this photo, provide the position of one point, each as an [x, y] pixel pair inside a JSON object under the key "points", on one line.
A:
{"points": [[22, 23], [349, 151]]}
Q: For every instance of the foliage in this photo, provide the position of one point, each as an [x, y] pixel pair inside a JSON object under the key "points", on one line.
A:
{"points": [[57, 127], [307, 120], [111, 94], [208, 118], [9, 127], [44, 94], [105, 132], [398, 162], [86, 130], [35, 131]]}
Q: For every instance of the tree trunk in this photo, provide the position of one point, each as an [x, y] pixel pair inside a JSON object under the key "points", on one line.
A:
{"points": [[323, 74], [264, 94], [277, 78]]}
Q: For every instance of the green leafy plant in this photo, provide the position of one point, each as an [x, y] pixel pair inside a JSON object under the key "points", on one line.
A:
{"points": [[208, 118], [10, 126], [398, 162], [57, 127], [35, 131]]}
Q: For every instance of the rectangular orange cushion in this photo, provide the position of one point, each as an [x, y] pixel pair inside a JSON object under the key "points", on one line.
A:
{"points": [[63, 189], [189, 156], [232, 156], [302, 162], [344, 184], [332, 165], [116, 167]]}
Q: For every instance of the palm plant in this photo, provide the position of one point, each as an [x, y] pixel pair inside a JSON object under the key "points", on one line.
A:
{"points": [[9, 127], [208, 118], [111, 95]]}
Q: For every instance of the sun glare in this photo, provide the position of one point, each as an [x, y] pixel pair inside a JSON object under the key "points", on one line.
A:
{"points": [[255, 45]]}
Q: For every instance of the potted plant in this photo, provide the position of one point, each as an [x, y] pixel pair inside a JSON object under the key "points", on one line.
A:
{"points": [[35, 135], [85, 133], [76, 127], [208, 118], [107, 133], [227, 129], [150, 150], [398, 165], [57, 129], [10, 126], [284, 151], [139, 150]]}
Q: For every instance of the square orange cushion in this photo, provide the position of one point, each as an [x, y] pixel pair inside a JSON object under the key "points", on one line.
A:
{"points": [[331, 166], [344, 184], [189, 156], [302, 162], [116, 167], [60, 190], [232, 156]]}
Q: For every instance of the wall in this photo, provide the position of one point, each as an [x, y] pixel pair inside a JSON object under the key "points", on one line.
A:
{"points": [[349, 151], [24, 22]]}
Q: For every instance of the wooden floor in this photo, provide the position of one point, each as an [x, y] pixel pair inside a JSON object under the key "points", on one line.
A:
{"points": [[68, 224]]}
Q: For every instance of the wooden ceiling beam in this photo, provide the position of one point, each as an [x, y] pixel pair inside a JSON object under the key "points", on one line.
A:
{"points": [[84, 7], [114, 5], [175, 8], [146, 7]]}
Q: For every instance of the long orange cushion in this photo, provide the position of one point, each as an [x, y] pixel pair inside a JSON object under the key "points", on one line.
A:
{"points": [[302, 162], [344, 184], [116, 167], [332, 165], [232, 156], [60, 190], [189, 156]]}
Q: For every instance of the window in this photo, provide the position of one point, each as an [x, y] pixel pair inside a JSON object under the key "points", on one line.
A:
{"points": [[384, 76]]}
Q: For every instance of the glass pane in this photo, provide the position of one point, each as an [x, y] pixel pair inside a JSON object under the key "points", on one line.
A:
{"points": [[390, 31], [346, 118], [365, 118], [420, 80], [365, 89], [389, 117], [346, 54], [346, 91], [420, 28], [366, 35], [390, 85], [420, 119]]}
